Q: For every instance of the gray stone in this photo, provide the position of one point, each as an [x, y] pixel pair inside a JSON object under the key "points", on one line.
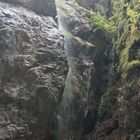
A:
{"points": [[102, 6], [33, 66], [44, 7]]}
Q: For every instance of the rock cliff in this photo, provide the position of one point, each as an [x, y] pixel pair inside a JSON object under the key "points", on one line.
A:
{"points": [[102, 91], [32, 75], [98, 98]]}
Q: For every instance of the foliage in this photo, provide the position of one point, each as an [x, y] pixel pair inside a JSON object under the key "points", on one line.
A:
{"points": [[128, 58], [133, 15], [99, 22], [118, 7], [133, 18], [124, 25], [117, 20], [127, 29]]}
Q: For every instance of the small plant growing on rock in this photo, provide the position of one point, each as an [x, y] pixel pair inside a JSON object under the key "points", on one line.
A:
{"points": [[100, 23]]}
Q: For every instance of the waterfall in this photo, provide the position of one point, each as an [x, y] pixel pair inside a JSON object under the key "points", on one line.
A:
{"points": [[65, 111], [73, 106]]}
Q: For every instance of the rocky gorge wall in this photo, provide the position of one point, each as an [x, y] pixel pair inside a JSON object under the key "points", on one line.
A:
{"points": [[88, 64], [105, 94], [32, 74], [99, 99]]}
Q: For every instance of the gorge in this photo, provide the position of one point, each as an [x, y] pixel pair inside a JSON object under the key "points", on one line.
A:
{"points": [[70, 70]]}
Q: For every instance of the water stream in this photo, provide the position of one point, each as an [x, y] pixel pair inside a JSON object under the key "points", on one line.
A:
{"points": [[74, 101], [67, 111]]}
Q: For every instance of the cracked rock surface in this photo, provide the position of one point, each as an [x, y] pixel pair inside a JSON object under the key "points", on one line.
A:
{"points": [[33, 66]]}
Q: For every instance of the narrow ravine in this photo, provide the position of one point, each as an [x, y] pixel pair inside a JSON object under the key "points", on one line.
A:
{"points": [[80, 81], [73, 108], [66, 110], [88, 108]]}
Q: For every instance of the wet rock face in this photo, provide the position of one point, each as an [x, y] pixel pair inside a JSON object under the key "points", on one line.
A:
{"points": [[89, 4], [87, 61], [44, 7], [104, 100], [32, 74], [75, 19], [102, 6], [112, 115]]}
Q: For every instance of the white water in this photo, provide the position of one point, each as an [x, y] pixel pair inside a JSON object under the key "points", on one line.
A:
{"points": [[66, 112]]}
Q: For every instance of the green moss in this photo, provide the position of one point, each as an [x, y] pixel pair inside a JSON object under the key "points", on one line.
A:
{"points": [[135, 64], [133, 15], [124, 25], [124, 59], [107, 103], [129, 59], [123, 16], [124, 45], [120, 42]]}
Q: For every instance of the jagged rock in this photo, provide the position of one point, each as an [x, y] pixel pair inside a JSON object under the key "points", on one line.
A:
{"points": [[75, 19], [44, 7], [99, 112], [32, 75], [85, 52], [33, 69], [102, 6]]}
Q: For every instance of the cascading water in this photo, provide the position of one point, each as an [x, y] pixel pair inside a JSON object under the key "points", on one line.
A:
{"points": [[65, 111], [74, 101]]}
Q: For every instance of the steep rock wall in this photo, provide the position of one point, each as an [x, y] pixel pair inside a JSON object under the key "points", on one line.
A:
{"points": [[44, 7], [112, 93], [102, 6], [105, 101], [32, 75], [87, 53]]}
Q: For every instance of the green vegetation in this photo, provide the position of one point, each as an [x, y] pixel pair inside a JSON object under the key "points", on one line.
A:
{"points": [[110, 25], [124, 25], [99, 22], [129, 58], [108, 100], [135, 64], [133, 15], [122, 14], [128, 34]]}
